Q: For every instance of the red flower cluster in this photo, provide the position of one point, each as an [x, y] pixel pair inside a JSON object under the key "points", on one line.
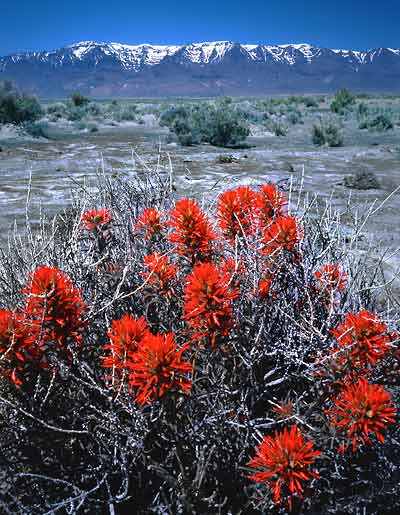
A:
{"points": [[208, 301], [160, 274], [365, 338], [96, 219], [150, 222], [125, 335], [360, 409], [331, 278], [264, 287], [235, 210], [157, 367], [270, 203], [55, 306], [153, 364], [283, 460], [15, 342], [52, 317], [283, 233], [193, 234]]}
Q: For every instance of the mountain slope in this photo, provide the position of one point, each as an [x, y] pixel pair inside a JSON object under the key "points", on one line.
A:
{"points": [[200, 69]]}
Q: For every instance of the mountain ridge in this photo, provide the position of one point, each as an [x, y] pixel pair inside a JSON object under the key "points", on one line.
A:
{"points": [[200, 68]]}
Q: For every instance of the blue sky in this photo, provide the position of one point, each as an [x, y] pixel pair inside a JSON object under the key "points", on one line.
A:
{"points": [[48, 24]]}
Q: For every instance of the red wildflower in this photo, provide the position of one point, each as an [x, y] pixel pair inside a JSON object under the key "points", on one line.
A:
{"points": [[14, 340], [364, 336], [270, 203], [283, 461], [331, 278], [157, 367], [55, 305], [264, 286], [208, 301], [160, 273], [360, 409], [283, 233], [193, 234], [96, 219], [125, 335], [236, 212], [150, 222]]}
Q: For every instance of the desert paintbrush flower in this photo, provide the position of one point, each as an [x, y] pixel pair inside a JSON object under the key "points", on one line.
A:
{"points": [[362, 409], [160, 273], [157, 367], [125, 335], [150, 222], [55, 305], [330, 278], [208, 302], [283, 462], [270, 203], [96, 219], [192, 232], [283, 233], [365, 338], [235, 212]]}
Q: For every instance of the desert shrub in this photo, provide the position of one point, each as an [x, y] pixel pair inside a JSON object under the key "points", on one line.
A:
{"points": [[362, 180], [168, 117], [326, 134], [16, 108], [159, 357], [38, 129], [79, 100], [76, 114], [248, 112], [380, 123], [342, 101], [57, 111], [220, 124], [94, 109], [294, 117], [126, 113], [362, 110], [276, 127], [226, 159], [227, 128], [310, 102], [187, 133]]}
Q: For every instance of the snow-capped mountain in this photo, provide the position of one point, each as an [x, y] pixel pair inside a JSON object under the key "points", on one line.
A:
{"points": [[208, 68]]}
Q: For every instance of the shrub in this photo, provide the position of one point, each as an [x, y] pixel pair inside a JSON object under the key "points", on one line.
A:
{"points": [[342, 101], [227, 128], [158, 356], [57, 111], [310, 102], [78, 100], [38, 129], [226, 159], [17, 108], [126, 113], [76, 114], [362, 110], [220, 124], [362, 180], [380, 123], [294, 117], [168, 117], [326, 134], [278, 128]]}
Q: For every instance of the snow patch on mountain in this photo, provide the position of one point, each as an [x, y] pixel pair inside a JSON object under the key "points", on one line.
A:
{"points": [[137, 57]]}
